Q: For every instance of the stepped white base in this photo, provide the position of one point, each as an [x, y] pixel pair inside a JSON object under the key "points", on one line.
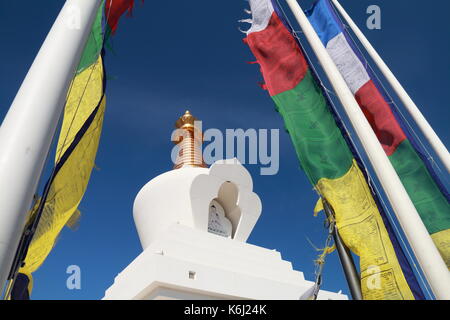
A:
{"points": [[191, 264]]}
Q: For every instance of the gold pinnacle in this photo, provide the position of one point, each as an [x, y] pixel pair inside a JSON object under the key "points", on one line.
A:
{"points": [[189, 140]]}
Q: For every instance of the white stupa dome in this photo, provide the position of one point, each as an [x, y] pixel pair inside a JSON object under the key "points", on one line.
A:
{"points": [[184, 196]]}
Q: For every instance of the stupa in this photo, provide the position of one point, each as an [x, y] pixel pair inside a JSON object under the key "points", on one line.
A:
{"points": [[193, 223]]}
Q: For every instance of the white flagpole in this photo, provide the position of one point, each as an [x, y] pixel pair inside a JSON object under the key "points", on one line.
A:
{"points": [[436, 143], [30, 124], [426, 252]]}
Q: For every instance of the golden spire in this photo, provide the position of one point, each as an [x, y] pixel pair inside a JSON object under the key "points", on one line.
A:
{"points": [[189, 139]]}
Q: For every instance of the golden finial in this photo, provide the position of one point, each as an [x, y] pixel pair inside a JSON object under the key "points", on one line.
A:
{"points": [[185, 121], [189, 139]]}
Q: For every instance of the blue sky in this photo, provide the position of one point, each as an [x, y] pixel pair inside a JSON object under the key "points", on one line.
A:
{"points": [[189, 55]]}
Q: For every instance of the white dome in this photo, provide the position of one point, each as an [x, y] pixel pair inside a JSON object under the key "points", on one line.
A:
{"points": [[183, 196]]}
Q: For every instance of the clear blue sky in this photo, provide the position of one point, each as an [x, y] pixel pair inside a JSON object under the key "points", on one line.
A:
{"points": [[176, 55]]}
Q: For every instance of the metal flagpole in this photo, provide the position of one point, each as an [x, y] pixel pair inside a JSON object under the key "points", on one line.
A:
{"points": [[345, 256], [424, 249], [422, 123], [30, 124]]}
